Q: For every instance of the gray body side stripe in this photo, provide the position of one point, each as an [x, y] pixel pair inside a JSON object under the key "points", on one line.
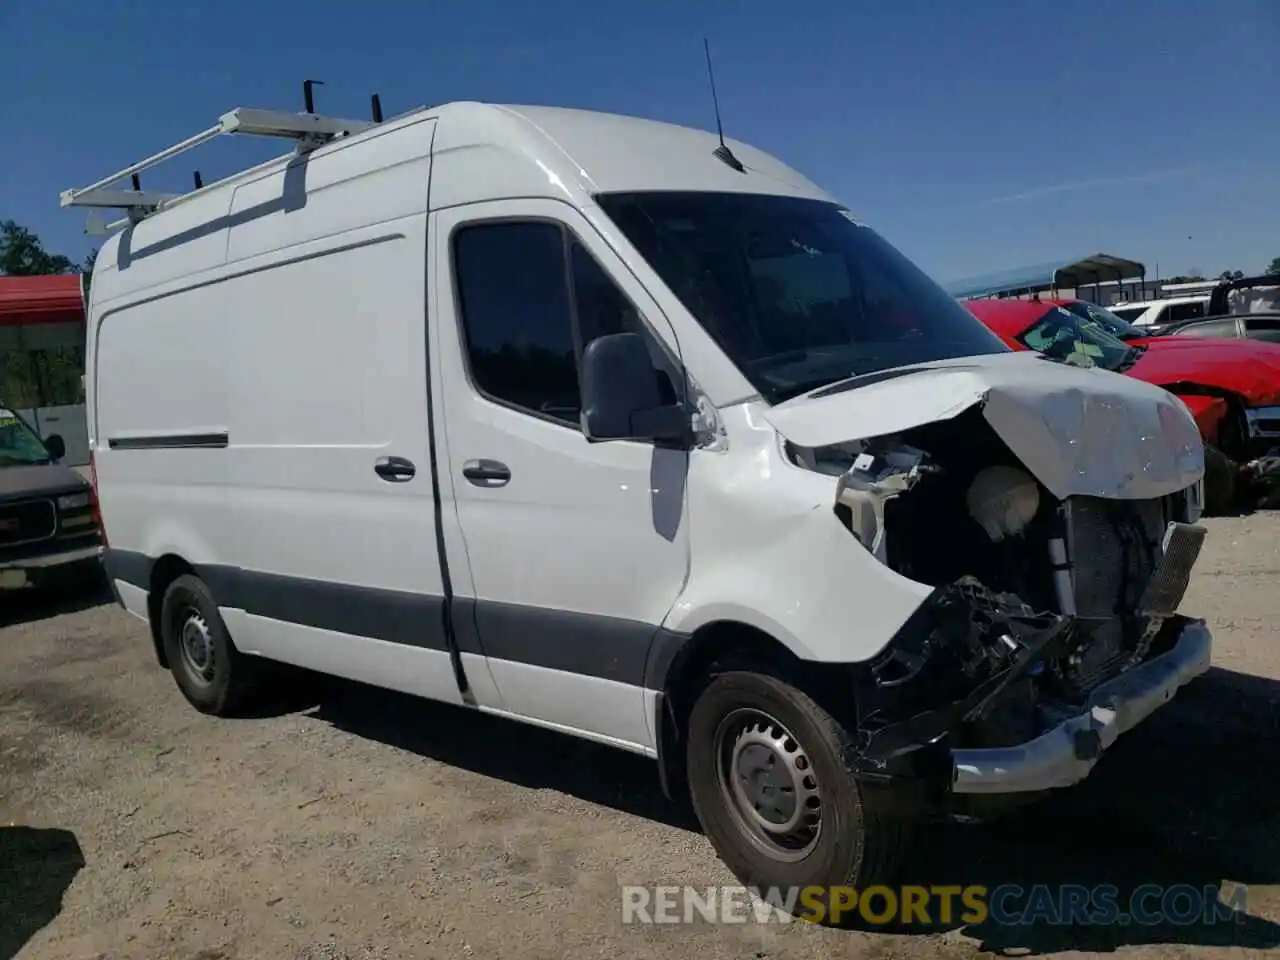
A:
{"points": [[608, 648]]}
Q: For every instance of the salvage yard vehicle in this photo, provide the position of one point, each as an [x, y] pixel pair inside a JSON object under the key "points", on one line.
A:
{"points": [[1248, 307], [1232, 388], [1163, 312], [617, 428], [48, 531]]}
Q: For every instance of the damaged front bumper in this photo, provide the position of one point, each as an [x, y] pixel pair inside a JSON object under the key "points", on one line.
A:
{"points": [[1065, 754], [979, 697]]}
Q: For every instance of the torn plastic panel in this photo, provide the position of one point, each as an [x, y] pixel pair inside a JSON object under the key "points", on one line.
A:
{"points": [[949, 666], [876, 476]]}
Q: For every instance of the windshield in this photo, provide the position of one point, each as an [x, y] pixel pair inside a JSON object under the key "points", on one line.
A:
{"points": [[19, 444], [795, 291], [1061, 335], [1108, 321]]}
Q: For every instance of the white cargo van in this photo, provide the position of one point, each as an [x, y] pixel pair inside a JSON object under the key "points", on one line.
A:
{"points": [[599, 424]]}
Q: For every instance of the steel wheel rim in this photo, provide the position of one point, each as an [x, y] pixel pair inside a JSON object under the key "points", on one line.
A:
{"points": [[195, 641], [768, 784]]}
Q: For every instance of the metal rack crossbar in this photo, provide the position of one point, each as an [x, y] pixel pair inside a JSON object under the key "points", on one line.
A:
{"points": [[308, 130]]}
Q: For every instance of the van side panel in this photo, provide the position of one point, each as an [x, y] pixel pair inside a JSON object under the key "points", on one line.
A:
{"points": [[337, 568], [155, 390], [161, 415], [323, 385]]}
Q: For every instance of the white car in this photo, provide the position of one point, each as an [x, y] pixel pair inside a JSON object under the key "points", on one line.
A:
{"points": [[1158, 313], [607, 426]]}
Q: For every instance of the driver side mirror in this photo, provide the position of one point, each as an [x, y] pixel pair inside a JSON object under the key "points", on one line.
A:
{"points": [[56, 446], [621, 397]]}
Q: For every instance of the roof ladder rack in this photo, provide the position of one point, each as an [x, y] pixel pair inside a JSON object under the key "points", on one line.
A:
{"points": [[309, 130]]}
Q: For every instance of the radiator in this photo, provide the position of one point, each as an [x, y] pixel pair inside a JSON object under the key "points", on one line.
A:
{"points": [[1113, 546]]}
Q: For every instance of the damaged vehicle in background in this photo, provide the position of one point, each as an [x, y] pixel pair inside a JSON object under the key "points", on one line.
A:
{"points": [[1231, 387], [1246, 308]]}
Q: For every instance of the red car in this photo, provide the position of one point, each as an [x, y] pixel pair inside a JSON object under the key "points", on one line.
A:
{"points": [[1232, 387]]}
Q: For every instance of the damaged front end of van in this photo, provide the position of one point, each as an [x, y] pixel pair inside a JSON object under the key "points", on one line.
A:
{"points": [[1053, 513]]}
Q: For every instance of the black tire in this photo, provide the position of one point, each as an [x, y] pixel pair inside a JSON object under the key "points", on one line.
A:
{"points": [[217, 684], [853, 846], [1220, 480]]}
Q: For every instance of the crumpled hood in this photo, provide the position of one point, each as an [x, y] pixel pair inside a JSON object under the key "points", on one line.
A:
{"points": [[1081, 432], [1250, 368], [42, 478]]}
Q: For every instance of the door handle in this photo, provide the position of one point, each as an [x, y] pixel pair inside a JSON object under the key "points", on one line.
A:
{"points": [[486, 473], [394, 469]]}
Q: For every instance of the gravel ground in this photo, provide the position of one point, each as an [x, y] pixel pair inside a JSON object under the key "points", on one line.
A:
{"points": [[352, 823]]}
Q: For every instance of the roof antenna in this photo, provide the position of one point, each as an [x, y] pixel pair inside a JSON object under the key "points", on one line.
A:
{"points": [[722, 152], [375, 103]]}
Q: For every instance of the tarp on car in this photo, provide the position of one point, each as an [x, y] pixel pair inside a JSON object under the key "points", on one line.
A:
{"points": [[1058, 275], [31, 300]]}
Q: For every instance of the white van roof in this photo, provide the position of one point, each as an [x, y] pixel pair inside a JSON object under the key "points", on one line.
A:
{"points": [[621, 153], [489, 151]]}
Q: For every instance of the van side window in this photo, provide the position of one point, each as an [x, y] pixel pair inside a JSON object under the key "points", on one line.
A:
{"points": [[518, 299], [1179, 312], [602, 307], [514, 302], [1128, 313]]}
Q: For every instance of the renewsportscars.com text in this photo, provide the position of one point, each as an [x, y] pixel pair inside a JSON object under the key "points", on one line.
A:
{"points": [[1007, 904]]}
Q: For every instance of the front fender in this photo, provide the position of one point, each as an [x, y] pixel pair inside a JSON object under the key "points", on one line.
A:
{"points": [[769, 551], [1209, 412]]}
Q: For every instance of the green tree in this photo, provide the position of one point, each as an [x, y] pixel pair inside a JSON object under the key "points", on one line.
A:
{"points": [[22, 254], [1231, 275], [1273, 266]]}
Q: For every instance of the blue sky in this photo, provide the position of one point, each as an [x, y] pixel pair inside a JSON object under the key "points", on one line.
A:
{"points": [[976, 136]]}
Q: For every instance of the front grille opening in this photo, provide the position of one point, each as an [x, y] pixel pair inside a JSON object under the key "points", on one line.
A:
{"points": [[27, 522]]}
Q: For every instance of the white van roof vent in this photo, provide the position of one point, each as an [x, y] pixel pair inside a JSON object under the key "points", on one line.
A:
{"points": [[308, 130]]}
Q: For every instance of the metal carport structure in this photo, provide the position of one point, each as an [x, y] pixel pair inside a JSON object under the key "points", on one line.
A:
{"points": [[1050, 277]]}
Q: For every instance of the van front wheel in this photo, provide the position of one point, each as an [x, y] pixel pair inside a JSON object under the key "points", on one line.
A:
{"points": [[210, 672], [771, 789]]}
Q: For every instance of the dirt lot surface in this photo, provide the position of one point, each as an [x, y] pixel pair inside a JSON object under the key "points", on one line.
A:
{"points": [[358, 824]]}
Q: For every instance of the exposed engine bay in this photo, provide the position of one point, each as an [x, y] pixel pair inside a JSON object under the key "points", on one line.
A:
{"points": [[1036, 600]]}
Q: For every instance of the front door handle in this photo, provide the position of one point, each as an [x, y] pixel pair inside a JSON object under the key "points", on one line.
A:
{"points": [[486, 473], [394, 469]]}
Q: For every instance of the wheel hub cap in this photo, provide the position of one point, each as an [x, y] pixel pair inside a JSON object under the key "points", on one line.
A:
{"points": [[769, 784], [197, 646]]}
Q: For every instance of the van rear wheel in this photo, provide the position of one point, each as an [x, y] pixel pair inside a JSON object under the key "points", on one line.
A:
{"points": [[771, 789], [210, 672]]}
